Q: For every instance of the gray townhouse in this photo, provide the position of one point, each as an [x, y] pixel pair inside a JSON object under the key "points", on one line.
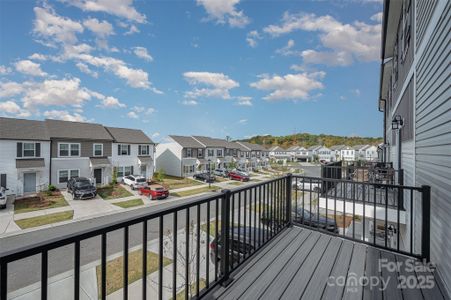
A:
{"points": [[219, 153], [259, 155], [415, 99], [24, 156], [278, 153]]}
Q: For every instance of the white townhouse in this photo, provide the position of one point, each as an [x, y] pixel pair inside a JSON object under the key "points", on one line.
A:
{"points": [[336, 152], [324, 154], [278, 153], [24, 156], [312, 152], [133, 152], [360, 153], [348, 154], [371, 153], [301, 154], [291, 151], [79, 149], [259, 155]]}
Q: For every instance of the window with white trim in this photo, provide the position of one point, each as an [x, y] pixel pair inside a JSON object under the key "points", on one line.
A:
{"points": [[211, 152], [98, 149], [124, 171], [144, 150], [65, 175], [219, 152], [68, 150], [29, 149], [124, 149], [189, 152]]}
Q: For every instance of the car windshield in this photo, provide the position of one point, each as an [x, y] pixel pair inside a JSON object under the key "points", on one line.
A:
{"points": [[83, 184], [159, 189], [141, 180]]}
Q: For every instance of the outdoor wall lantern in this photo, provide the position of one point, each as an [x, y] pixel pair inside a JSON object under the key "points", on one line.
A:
{"points": [[397, 122]]}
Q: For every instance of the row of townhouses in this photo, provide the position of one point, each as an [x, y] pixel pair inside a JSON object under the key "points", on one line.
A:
{"points": [[34, 154], [185, 155], [322, 153]]}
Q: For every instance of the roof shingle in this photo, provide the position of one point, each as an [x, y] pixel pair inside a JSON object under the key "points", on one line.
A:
{"points": [[77, 130], [129, 136], [20, 129]]}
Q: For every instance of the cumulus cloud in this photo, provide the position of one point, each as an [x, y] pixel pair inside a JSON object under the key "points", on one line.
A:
{"points": [[10, 89], [111, 102], [290, 86], [252, 38], [244, 101], [140, 112], [100, 28], [85, 69], [11, 108], [132, 115], [286, 50], [29, 68], [190, 102], [345, 43], [142, 52], [4, 70], [38, 56], [224, 12], [64, 115], [53, 28], [119, 8], [208, 84], [243, 121], [377, 17]]}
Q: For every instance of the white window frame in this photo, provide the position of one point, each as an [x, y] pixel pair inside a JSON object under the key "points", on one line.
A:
{"points": [[34, 150], [123, 171], [219, 153], [68, 174], [147, 147], [126, 146], [69, 150], [94, 150], [189, 152], [211, 152]]}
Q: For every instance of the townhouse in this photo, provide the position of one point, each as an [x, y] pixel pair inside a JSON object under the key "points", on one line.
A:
{"points": [[259, 155], [414, 97], [312, 152], [348, 154], [301, 154], [243, 159], [336, 152], [324, 154], [360, 152], [278, 153], [24, 155], [219, 153], [35, 154]]}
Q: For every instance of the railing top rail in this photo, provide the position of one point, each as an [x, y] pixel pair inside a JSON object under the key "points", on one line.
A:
{"points": [[383, 185]]}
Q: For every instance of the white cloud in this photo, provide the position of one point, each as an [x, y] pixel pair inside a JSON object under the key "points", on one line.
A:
{"points": [[155, 135], [345, 42], [119, 8], [13, 109], [215, 85], [85, 69], [286, 50], [100, 28], [252, 38], [224, 11], [144, 110], [244, 101], [10, 88], [190, 102], [142, 52], [64, 115], [111, 102], [38, 56], [291, 86], [29, 68], [356, 92], [242, 121], [4, 70], [377, 17], [54, 28], [132, 115]]}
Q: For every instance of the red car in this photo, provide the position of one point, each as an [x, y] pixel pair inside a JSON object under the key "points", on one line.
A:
{"points": [[235, 175], [154, 191]]}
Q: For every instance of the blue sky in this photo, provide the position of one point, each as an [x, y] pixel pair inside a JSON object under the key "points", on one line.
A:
{"points": [[217, 68]]}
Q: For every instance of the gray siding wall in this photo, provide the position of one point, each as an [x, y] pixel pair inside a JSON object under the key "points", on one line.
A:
{"points": [[424, 9], [87, 149], [433, 138], [194, 152]]}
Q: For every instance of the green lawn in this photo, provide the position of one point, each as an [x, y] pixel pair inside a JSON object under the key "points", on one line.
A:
{"points": [[195, 191], [42, 201], [235, 183], [113, 192], [114, 274], [129, 203], [181, 295], [44, 220], [221, 179], [172, 182]]}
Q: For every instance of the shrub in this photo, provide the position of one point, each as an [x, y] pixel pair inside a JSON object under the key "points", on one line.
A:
{"points": [[51, 188]]}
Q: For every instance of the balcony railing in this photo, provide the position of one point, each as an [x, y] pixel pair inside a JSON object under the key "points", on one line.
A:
{"points": [[201, 241]]}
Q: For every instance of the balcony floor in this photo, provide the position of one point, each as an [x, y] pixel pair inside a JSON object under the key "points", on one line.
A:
{"points": [[299, 262]]}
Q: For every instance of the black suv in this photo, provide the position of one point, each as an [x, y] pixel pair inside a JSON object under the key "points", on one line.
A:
{"points": [[308, 218], [81, 188], [241, 245], [205, 177]]}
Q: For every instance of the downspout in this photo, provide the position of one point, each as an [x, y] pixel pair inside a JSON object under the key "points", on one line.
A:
{"points": [[50, 162]]}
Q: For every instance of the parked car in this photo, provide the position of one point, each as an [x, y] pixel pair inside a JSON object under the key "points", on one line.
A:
{"points": [[305, 217], [307, 185], [81, 188], [154, 191], [240, 176], [135, 181], [242, 171], [241, 243], [221, 172], [204, 176], [2, 197]]}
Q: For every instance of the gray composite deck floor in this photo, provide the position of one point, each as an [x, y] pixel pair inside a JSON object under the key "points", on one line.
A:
{"points": [[299, 263]]}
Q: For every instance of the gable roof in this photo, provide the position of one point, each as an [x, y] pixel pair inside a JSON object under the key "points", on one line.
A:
{"points": [[20, 129], [337, 147], [293, 148], [278, 148], [129, 136], [212, 142], [186, 141], [240, 147], [315, 147], [77, 130], [253, 147], [360, 147]]}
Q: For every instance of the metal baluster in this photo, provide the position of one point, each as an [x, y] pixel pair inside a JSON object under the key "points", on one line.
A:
{"points": [[397, 221], [255, 217], [216, 238], [232, 198], [411, 221], [386, 214], [187, 228], [353, 211], [144, 258], [160, 258], [103, 266], [363, 199], [239, 219], [76, 270], [296, 196], [174, 256], [245, 219], [260, 237], [3, 280], [198, 250], [125, 276], [44, 273], [374, 213]]}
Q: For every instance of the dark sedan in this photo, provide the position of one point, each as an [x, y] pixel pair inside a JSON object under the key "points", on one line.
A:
{"points": [[205, 177], [81, 188]]}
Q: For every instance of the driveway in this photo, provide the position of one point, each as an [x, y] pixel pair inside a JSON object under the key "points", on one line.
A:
{"points": [[90, 207], [7, 218]]}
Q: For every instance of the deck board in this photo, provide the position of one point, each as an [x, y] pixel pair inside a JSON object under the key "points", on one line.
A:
{"points": [[299, 263]]}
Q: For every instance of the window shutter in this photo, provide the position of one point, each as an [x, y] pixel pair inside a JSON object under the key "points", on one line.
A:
{"points": [[132, 169], [19, 149], [139, 150], [3, 180], [128, 146], [38, 149], [118, 149]]}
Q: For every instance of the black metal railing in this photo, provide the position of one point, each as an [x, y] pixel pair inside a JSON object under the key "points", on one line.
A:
{"points": [[373, 214], [204, 238]]}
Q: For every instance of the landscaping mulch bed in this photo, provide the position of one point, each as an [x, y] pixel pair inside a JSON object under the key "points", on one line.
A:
{"points": [[43, 200], [113, 192]]}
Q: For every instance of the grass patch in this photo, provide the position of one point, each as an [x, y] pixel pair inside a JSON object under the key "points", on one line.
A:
{"points": [[44, 220], [42, 201], [172, 182], [181, 295], [221, 179], [129, 203], [113, 192], [114, 275], [254, 180], [235, 183], [195, 191]]}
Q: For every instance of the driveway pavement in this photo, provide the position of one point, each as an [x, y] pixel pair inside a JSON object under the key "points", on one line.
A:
{"points": [[7, 224]]}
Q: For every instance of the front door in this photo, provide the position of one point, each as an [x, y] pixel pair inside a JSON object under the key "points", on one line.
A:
{"points": [[29, 182], [98, 176], [143, 170]]}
